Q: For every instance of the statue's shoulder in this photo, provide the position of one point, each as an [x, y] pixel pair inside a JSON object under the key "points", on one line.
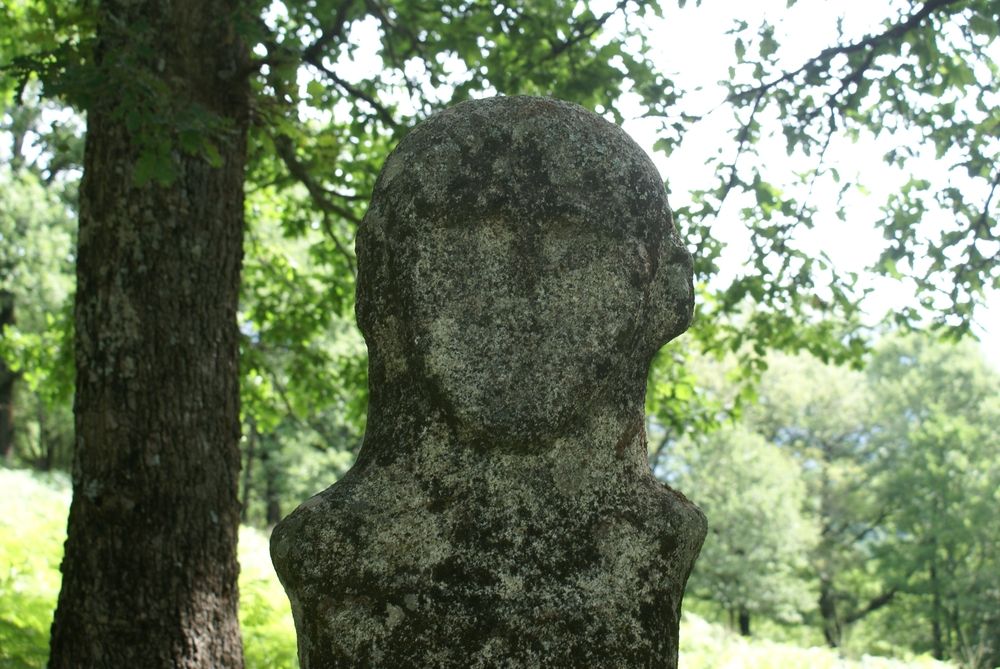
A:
{"points": [[324, 530], [679, 522]]}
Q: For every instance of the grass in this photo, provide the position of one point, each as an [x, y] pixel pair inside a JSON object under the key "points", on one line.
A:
{"points": [[33, 510], [709, 646]]}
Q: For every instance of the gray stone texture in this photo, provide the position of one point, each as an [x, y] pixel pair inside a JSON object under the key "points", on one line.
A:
{"points": [[518, 269]]}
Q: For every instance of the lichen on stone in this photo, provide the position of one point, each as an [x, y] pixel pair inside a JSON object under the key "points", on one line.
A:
{"points": [[518, 270]]}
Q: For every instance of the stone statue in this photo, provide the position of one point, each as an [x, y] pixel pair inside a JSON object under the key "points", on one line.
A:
{"points": [[518, 269]]}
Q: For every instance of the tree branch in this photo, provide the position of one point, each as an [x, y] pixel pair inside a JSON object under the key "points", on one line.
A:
{"points": [[286, 151], [300, 421], [380, 109], [585, 31], [279, 54], [984, 216], [872, 526], [824, 57], [336, 31], [874, 604], [320, 196], [743, 139], [416, 46], [820, 162]]}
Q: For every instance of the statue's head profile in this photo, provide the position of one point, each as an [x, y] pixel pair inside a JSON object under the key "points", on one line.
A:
{"points": [[518, 263]]}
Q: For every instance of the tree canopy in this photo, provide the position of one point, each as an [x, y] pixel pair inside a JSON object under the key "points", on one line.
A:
{"points": [[862, 502], [336, 84]]}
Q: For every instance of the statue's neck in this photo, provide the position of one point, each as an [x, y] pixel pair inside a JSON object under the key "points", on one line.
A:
{"points": [[600, 439]]}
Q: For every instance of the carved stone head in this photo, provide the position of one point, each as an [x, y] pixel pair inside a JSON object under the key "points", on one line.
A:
{"points": [[519, 255]]}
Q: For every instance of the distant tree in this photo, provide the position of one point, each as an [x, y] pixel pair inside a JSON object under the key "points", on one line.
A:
{"points": [[824, 416], [939, 444], [759, 537], [36, 240]]}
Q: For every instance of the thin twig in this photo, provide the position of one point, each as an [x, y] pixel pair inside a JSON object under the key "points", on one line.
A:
{"points": [[320, 196]]}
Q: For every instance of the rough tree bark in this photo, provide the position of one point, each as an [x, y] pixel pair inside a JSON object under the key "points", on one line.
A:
{"points": [[150, 570]]}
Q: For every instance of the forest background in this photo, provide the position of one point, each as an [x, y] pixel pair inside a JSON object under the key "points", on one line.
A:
{"points": [[849, 459]]}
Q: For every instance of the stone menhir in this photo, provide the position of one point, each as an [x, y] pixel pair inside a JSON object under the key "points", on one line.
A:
{"points": [[518, 267]]}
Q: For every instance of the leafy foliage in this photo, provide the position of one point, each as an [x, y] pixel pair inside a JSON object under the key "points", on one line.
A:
{"points": [[337, 83], [925, 81], [823, 416], [36, 241], [36, 256], [754, 559], [941, 409]]}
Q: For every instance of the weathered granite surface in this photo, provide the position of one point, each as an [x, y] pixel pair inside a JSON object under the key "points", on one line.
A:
{"points": [[518, 269]]}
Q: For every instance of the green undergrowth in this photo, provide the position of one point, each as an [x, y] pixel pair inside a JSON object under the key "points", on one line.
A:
{"points": [[33, 511], [705, 645]]}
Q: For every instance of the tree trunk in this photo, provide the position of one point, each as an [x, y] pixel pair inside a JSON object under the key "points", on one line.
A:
{"points": [[273, 506], [150, 570], [828, 611], [7, 378], [744, 618], [46, 445], [248, 472], [938, 641], [271, 491]]}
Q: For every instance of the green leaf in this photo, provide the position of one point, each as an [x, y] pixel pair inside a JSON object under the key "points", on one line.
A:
{"points": [[768, 45], [315, 89], [212, 155], [154, 166], [982, 25]]}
